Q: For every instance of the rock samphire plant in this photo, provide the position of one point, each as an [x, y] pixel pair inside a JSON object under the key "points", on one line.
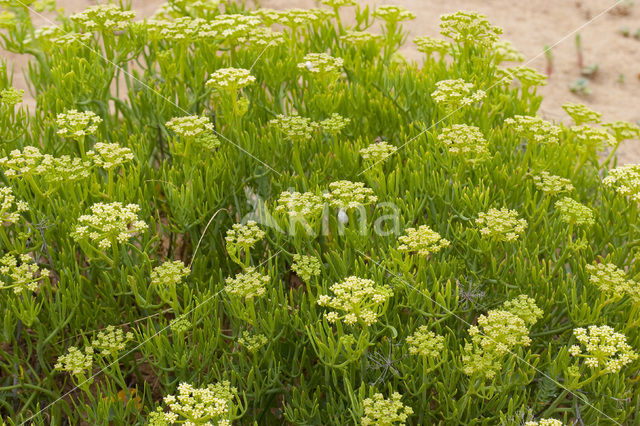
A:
{"points": [[223, 214]]}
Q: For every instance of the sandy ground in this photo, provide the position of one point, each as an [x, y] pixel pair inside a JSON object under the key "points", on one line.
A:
{"points": [[530, 26]]}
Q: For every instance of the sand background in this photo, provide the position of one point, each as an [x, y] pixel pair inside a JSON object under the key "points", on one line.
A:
{"points": [[530, 26]]}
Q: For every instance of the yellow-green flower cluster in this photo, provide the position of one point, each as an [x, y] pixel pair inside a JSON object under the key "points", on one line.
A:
{"points": [[425, 343], [233, 25], [171, 26], [581, 114], [622, 130], [192, 7], [231, 28], [392, 14], [11, 96], [360, 300], [182, 29], [422, 241], [65, 169], [230, 79], [252, 342], [243, 236], [293, 18], [109, 224], [349, 195], [170, 273], [359, 38], [239, 240], [497, 334], [524, 307], [222, 29], [103, 17], [266, 15], [77, 124], [261, 37], [544, 422], [456, 93], [574, 212], [338, 3], [503, 76], [470, 28], [501, 225], [31, 162], [54, 36], [110, 155], [180, 325], [294, 127], [320, 63], [604, 349], [527, 76], [75, 361], [8, 20], [10, 209], [379, 411], [71, 39], [190, 125], [428, 45], [297, 204], [247, 285], [464, 140], [613, 281], [306, 266], [505, 51], [377, 152], [20, 277], [593, 137], [535, 129], [334, 124], [212, 405], [28, 162], [207, 140], [111, 341], [552, 184], [625, 181]]}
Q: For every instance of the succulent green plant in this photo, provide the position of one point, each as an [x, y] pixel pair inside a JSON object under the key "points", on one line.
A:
{"points": [[222, 215]]}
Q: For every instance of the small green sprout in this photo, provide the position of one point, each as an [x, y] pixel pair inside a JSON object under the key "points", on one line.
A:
{"points": [[581, 87]]}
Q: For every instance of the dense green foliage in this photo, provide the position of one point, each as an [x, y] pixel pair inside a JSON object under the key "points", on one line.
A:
{"points": [[232, 215]]}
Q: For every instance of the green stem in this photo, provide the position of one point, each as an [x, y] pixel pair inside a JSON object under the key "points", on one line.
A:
{"points": [[187, 147], [116, 253], [110, 182], [610, 156], [297, 163], [336, 10], [83, 153], [30, 387], [174, 299], [591, 378], [34, 185], [5, 238]]}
